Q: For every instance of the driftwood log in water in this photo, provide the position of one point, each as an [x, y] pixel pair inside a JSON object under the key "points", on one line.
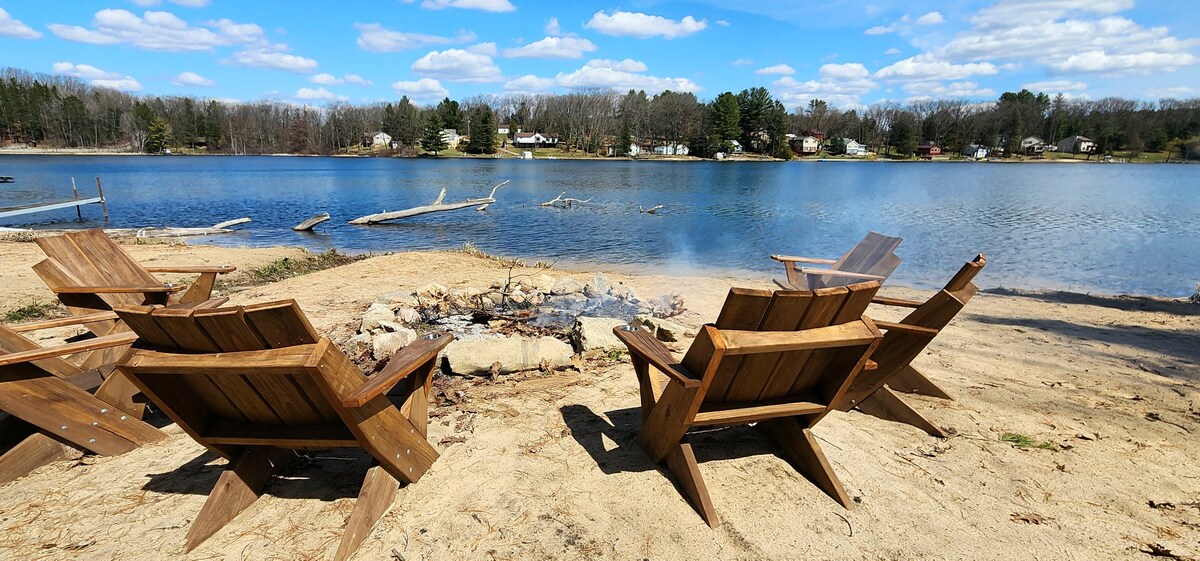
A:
{"points": [[436, 206], [308, 225], [560, 202], [652, 210], [218, 228]]}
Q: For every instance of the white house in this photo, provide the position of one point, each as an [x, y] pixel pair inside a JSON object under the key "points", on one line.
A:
{"points": [[735, 146], [854, 148], [1031, 145], [502, 129], [535, 139], [805, 145], [381, 140], [634, 149], [1077, 145], [451, 137], [975, 151], [671, 150]]}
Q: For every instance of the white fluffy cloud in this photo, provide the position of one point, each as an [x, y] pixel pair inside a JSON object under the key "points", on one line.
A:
{"points": [[931, 18], [484, 5], [319, 94], [184, 3], [643, 26], [458, 65], [425, 89], [925, 68], [620, 76], [84, 71], [842, 85], [15, 28], [126, 84], [552, 27], [1055, 86], [1132, 63], [376, 38], [274, 60], [529, 84], [191, 79], [777, 69], [892, 51], [327, 79], [157, 31], [742, 62], [952, 90], [880, 30], [553, 47]]}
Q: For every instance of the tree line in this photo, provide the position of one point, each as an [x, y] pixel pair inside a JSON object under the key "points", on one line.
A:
{"points": [[58, 111]]}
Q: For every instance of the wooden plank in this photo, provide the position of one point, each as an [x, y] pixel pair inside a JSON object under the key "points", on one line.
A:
{"points": [[682, 463], [833, 336], [219, 269], [34, 452], [739, 413], [756, 372], [104, 342], [281, 324], [642, 344], [224, 431], [11, 342], [377, 494], [743, 309], [238, 487], [62, 322], [402, 364], [380, 428], [46, 207]]}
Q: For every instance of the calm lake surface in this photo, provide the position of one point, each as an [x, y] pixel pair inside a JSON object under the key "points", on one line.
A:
{"points": [[1105, 228]]}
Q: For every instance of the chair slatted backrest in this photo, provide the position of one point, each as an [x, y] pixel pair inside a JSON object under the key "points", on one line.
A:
{"points": [[259, 398], [899, 348], [91, 258], [874, 255], [779, 375]]}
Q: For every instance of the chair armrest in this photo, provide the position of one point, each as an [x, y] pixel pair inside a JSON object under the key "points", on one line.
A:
{"points": [[403, 363], [885, 301], [219, 269], [648, 348], [836, 273], [64, 322], [791, 259], [860, 332], [105, 342], [906, 328], [165, 287]]}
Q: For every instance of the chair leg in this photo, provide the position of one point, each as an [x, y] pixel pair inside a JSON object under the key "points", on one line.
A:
{"points": [[200, 290], [378, 493], [34, 452], [681, 461], [889, 407], [238, 487], [800, 449], [911, 380]]}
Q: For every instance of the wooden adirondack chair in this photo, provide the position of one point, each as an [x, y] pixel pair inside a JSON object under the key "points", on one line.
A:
{"points": [[50, 401], [872, 259], [871, 392], [253, 383], [89, 272], [777, 359]]}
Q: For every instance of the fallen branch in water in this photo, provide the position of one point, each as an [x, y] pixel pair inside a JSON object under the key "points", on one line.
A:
{"points": [[651, 210], [560, 202], [309, 224], [436, 206]]}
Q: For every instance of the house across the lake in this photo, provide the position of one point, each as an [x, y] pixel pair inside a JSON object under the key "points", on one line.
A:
{"points": [[377, 140], [535, 139], [806, 145], [975, 151], [1033, 146], [928, 150], [855, 148], [671, 150], [451, 137], [1077, 145], [503, 129]]}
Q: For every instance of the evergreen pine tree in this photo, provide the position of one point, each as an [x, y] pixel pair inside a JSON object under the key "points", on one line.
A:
{"points": [[431, 138]]}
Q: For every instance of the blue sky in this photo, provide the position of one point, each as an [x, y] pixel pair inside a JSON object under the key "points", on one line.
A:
{"points": [[849, 53]]}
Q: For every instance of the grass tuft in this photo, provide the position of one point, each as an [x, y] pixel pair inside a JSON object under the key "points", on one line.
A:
{"points": [[35, 310], [1025, 441], [287, 267]]}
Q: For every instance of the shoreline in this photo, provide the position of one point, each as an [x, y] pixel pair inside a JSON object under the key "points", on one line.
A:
{"points": [[544, 464]]}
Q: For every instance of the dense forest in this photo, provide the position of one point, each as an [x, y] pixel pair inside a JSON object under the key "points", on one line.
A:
{"points": [[57, 111]]}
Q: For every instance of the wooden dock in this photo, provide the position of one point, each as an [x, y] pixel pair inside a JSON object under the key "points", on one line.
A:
{"points": [[6, 179], [74, 202]]}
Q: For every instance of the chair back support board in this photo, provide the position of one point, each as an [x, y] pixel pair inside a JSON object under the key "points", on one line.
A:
{"points": [[248, 382], [874, 255], [91, 258]]}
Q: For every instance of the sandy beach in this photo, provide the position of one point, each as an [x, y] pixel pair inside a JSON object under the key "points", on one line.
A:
{"points": [[544, 465]]}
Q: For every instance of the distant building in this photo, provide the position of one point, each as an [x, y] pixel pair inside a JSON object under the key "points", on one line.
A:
{"points": [[735, 146], [805, 146], [671, 150], [928, 150], [1077, 145], [451, 137], [1032, 146], [377, 140], [535, 139], [854, 148], [975, 151], [502, 129]]}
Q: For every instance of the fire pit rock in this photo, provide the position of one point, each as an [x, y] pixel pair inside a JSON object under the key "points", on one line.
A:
{"points": [[664, 330], [375, 315], [386, 344], [476, 357], [566, 285], [596, 334]]}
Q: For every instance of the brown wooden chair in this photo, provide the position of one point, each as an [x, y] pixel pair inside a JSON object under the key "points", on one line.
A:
{"points": [[50, 405], [873, 258], [776, 359], [89, 272], [254, 383], [871, 391]]}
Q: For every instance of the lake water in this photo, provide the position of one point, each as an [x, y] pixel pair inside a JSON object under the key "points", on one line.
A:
{"points": [[1104, 228]]}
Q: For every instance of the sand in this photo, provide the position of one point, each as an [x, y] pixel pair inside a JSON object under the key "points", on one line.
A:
{"points": [[544, 465]]}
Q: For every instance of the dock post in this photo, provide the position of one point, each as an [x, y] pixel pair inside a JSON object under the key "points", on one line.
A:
{"points": [[75, 190], [103, 205]]}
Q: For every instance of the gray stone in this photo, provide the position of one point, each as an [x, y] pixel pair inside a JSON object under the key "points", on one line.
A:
{"points": [[623, 292], [375, 315], [476, 356], [544, 282], [566, 285], [663, 330], [408, 316], [386, 344], [591, 334], [358, 347], [597, 287], [432, 290]]}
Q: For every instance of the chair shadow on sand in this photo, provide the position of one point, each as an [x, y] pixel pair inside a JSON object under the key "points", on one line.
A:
{"points": [[326, 476], [588, 428]]}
